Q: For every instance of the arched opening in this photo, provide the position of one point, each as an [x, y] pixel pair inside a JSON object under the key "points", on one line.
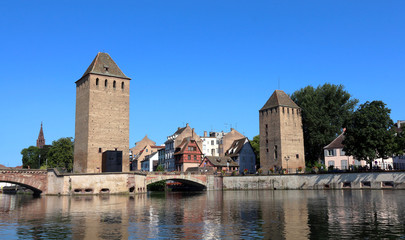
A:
{"points": [[21, 188], [105, 83], [97, 81], [114, 84], [176, 185]]}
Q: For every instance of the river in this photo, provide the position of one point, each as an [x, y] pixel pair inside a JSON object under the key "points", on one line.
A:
{"points": [[278, 214]]}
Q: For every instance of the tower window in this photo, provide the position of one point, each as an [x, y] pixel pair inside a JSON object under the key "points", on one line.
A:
{"points": [[105, 83], [97, 82], [122, 85], [99, 150], [275, 152], [114, 84]]}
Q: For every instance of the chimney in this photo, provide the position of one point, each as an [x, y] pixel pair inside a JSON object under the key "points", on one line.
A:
{"points": [[178, 128], [186, 124], [205, 133], [231, 129]]}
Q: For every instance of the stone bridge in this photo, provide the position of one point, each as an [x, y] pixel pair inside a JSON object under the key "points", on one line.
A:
{"points": [[186, 178], [36, 180]]}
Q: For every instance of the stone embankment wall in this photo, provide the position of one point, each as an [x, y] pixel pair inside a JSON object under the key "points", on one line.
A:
{"points": [[102, 183], [383, 180]]}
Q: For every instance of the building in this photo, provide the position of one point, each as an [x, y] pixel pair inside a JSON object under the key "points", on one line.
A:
{"points": [[227, 139], [41, 139], [102, 115], [336, 157], [219, 163], [216, 143], [174, 140], [139, 146], [161, 156], [281, 134], [140, 156], [150, 162], [242, 153], [187, 155], [210, 144]]}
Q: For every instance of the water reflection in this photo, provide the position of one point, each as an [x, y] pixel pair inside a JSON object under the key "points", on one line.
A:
{"points": [[207, 215]]}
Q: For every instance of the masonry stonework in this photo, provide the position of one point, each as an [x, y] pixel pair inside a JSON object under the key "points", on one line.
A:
{"points": [[102, 115], [281, 134]]}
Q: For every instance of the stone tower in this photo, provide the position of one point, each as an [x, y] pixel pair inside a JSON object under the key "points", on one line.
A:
{"points": [[41, 139], [281, 135], [102, 116]]}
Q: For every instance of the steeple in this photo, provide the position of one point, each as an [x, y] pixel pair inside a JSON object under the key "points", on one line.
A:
{"points": [[41, 139]]}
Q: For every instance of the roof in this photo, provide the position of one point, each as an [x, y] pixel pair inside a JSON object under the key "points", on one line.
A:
{"points": [[279, 98], [104, 65], [160, 147], [222, 161], [336, 143], [180, 130], [2, 166], [184, 144], [41, 133], [236, 147]]}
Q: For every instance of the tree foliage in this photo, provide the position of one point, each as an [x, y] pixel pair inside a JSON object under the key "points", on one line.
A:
{"points": [[369, 133], [61, 154], [58, 155], [256, 148], [324, 111], [33, 157]]}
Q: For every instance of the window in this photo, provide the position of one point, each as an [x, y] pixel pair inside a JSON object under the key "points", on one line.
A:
{"points": [[343, 164], [212, 142], [342, 153], [195, 157], [114, 84], [212, 152], [97, 82], [297, 156], [122, 85], [105, 83], [331, 163], [331, 152], [99, 150], [266, 126], [275, 152], [189, 157], [146, 150]]}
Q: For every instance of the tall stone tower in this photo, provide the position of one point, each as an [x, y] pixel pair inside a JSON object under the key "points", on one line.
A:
{"points": [[102, 116], [281, 134], [41, 138]]}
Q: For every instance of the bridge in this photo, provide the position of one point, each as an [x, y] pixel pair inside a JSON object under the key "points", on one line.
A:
{"points": [[35, 180], [54, 183], [193, 179]]}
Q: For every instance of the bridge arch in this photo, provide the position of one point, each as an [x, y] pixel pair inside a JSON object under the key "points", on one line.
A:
{"points": [[194, 180], [35, 180]]}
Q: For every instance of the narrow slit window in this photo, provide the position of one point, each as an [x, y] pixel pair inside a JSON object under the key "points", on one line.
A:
{"points": [[114, 84], [97, 82], [122, 85], [105, 83]]}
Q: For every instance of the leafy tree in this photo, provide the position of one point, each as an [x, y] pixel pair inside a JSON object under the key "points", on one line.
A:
{"points": [[160, 168], [60, 155], [324, 111], [34, 157], [256, 148], [368, 135]]}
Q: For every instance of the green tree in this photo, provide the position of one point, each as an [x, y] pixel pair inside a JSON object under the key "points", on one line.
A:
{"points": [[34, 157], [256, 148], [160, 168], [368, 134], [324, 111], [60, 154]]}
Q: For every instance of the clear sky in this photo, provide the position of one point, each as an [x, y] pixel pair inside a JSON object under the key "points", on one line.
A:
{"points": [[212, 64]]}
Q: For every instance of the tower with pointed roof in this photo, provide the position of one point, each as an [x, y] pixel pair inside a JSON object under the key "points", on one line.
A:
{"points": [[102, 115], [41, 138], [281, 134]]}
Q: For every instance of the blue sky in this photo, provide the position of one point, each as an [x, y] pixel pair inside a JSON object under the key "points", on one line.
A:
{"points": [[211, 64]]}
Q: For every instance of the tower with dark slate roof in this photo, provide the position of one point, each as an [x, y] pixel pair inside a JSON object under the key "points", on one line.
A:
{"points": [[102, 116], [281, 134]]}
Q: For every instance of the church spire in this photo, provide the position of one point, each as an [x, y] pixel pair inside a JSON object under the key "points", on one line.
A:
{"points": [[41, 139]]}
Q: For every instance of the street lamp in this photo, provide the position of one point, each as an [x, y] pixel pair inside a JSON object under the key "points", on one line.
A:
{"points": [[286, 158]]}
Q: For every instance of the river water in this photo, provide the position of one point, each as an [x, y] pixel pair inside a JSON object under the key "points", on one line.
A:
{"points": [[289, 214]]}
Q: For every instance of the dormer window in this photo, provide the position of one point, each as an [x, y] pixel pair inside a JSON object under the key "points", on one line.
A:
{"points": [[106, 68]]}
